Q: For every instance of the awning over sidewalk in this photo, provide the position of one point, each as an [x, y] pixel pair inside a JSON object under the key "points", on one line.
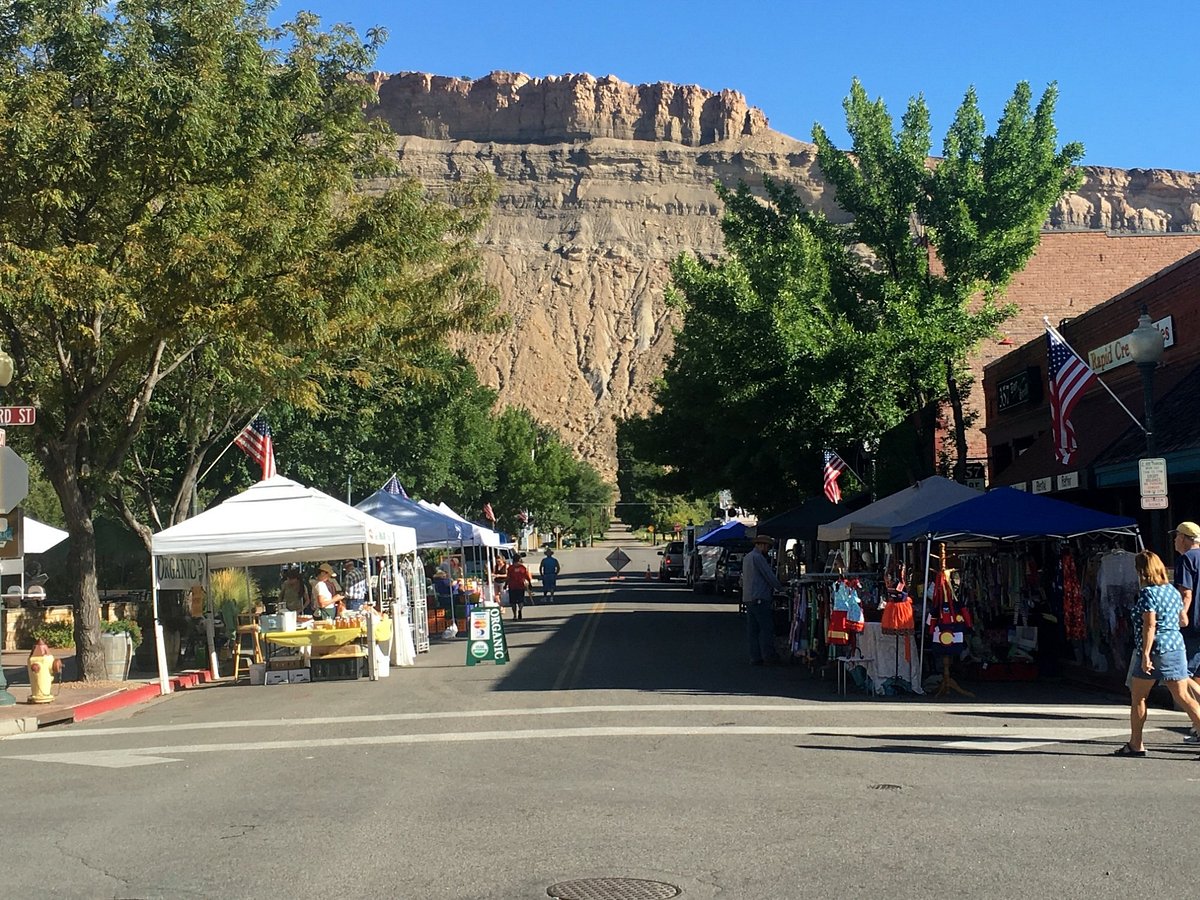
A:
{"points": [[876, 521]]}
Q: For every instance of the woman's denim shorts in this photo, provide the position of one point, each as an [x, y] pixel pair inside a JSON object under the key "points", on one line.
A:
{"points": [[1168, 666]]}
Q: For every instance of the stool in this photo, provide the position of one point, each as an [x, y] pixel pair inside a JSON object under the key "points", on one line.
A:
{"points": [[845, 663], [246, 644]]}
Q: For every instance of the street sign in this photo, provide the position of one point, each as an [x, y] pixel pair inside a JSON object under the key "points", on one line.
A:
{"points": [[617, 559], [1156, 501], [18, 415], [1152, 478], [14, 479]]}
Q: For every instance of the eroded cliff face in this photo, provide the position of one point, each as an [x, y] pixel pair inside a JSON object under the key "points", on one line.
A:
{"points": [[602, 184]]}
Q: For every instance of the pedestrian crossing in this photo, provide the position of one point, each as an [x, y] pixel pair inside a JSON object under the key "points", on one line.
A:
{"points": [[975, 728]]}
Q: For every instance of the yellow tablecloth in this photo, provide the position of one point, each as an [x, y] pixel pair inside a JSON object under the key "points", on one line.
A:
{"points": [[327, 637]]}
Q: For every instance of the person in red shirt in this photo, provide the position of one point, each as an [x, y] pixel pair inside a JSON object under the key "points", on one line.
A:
{"points": [[518, 586]]}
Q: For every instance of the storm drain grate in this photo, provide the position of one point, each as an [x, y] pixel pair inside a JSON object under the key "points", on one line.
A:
{"points": [[612, 889], [886, 787]]}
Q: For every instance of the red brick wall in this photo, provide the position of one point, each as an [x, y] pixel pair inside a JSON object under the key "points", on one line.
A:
{"points": [[1071, 273]]}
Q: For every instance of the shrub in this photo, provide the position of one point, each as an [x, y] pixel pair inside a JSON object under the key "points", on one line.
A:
{"points": [[56, 634], [236, 586], [134, 629]]}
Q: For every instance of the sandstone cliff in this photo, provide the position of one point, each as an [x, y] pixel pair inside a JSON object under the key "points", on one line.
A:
{"points": [[602, 184]]}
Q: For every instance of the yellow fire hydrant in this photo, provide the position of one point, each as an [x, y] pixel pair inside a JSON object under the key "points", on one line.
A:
{"points": [[43, 666]]}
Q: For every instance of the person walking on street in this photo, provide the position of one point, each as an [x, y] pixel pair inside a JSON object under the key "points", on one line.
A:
{"points": [[518, 585], [548, 569], [1187, 582], [1158, 653], [758, 586]]}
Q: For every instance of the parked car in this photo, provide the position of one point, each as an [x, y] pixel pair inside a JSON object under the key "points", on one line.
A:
{"points": [[671, 564], [728, 577]]}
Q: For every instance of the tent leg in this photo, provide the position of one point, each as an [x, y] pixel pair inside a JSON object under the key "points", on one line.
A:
{"points": [[924, 609], [164, 683]]}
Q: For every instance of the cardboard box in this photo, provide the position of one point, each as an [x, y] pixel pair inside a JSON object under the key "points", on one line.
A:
{"points": [[300, 676], [284, 663], [258, 673], [276, 678], [344, 651]]}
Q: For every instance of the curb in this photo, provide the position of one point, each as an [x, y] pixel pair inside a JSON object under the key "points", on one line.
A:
{"points": [[106, 703]]}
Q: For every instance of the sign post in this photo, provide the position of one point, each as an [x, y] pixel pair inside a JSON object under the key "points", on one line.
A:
{"points": [[1152, 482], [618, 559]]}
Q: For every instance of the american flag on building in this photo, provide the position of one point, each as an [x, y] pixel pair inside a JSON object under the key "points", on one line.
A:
{"points": [[393, 486], [1069, 376], [834, 466], [255, 440], [488, 513]]}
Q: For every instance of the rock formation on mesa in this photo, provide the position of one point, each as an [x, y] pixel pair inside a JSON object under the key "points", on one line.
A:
{"points": [[602, 184]]}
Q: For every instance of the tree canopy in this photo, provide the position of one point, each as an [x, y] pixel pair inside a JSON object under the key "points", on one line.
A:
{"points": [[805, 334]]}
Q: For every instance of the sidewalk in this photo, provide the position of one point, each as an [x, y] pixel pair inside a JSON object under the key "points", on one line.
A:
{"points": [[75, 701]]}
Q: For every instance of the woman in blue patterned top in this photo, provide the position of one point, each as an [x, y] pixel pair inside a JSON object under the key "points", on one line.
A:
{"points": [[1158, 654]]}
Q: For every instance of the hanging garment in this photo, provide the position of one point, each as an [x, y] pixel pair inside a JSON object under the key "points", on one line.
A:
{"points": [[1072, 602], [845, 599], [898, 614], [949, 623]]}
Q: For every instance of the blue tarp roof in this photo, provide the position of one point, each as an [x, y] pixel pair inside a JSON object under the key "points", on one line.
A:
{"points": [[434, 529], [730, 531], [1008, 514]]}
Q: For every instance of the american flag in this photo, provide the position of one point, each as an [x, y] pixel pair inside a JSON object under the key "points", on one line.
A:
{"points": [[834, 466], [488, 514], [1069, 377], [523, 515], [255, 440], [393, 486]]}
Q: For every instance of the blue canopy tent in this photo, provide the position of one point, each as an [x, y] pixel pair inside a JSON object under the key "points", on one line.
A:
{"points": [[433, 528], [730, 531], [1006, 514]]}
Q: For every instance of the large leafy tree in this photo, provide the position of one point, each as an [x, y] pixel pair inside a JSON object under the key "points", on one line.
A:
{"points": [[178, 212], [806, 334]]}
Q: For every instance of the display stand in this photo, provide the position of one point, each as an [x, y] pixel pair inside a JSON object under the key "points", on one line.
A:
{"points": [[948, 683]]}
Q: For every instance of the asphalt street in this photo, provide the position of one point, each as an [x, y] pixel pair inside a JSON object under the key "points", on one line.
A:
{"points": [[628, 738]]}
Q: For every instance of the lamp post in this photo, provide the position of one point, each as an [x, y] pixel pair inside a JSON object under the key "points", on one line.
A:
{"points": [[6, 699], [1146, 348]]}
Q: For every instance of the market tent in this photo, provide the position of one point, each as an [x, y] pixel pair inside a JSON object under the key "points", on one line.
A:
{"points": [[876, 521], [482, 535], [280, 521], [730, 531], [801, 522], [37, 537], [1006, 514], [275, 521], [433, 527]]}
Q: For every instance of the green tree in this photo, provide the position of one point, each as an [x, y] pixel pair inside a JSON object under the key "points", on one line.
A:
{"points": [[806, 334], [944, 240], [178, 209]]}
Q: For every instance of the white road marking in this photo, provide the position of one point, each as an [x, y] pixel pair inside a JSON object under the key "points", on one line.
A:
{"points": [[806, 707], [150, 755]]}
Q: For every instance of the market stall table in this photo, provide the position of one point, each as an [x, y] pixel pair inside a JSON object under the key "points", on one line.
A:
{"points": [[887, 656], [329, 645]]}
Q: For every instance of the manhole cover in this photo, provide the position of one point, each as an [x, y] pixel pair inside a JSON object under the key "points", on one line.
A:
{"points": [[886, 787], [612, 889]]}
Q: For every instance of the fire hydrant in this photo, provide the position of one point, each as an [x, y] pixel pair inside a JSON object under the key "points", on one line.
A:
{"points": [[43, 666]]}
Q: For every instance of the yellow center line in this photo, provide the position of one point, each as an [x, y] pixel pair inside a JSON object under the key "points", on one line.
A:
{"points": [[570, 671]]}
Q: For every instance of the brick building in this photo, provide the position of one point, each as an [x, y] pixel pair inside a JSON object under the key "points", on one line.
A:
{"points": [[1070, 273], [1104, 473]]}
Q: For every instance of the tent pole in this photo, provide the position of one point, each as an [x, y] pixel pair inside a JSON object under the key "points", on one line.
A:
{"points": [[372, 675], [210, 623], [164, 683], [924, 608]]}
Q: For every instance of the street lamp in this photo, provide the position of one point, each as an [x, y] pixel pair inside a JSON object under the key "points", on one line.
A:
{"points": [[1146, 348], [6, 699]]}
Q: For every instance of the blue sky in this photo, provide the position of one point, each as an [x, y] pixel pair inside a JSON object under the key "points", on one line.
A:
{"points": [[1126, 73]]}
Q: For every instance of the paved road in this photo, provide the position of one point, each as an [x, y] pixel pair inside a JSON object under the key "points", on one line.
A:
{"points": [[626, 739]]}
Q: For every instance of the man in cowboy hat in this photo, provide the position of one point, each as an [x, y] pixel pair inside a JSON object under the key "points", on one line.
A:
{"points": [[758, 586], [549, 568], [1187, 582]]}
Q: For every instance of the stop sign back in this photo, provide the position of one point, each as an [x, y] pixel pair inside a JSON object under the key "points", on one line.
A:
{"points": [[14, 479]]}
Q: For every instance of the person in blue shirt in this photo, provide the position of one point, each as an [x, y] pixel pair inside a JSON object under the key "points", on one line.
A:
{"points": [[758, 586], [1159, 653]]}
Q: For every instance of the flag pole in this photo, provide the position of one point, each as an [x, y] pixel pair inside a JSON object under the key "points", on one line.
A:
{"points": [[230, 444], [1058, 335]]}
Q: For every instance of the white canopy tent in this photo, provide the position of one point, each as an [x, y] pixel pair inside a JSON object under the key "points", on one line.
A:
{"points": [[37, 537], [274, 522]]}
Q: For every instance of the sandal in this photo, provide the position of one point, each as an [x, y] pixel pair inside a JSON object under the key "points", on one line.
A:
{"points": [[1126, 750]]}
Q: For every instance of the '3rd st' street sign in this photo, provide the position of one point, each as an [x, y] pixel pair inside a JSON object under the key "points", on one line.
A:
{"points": [[17, 415]]}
